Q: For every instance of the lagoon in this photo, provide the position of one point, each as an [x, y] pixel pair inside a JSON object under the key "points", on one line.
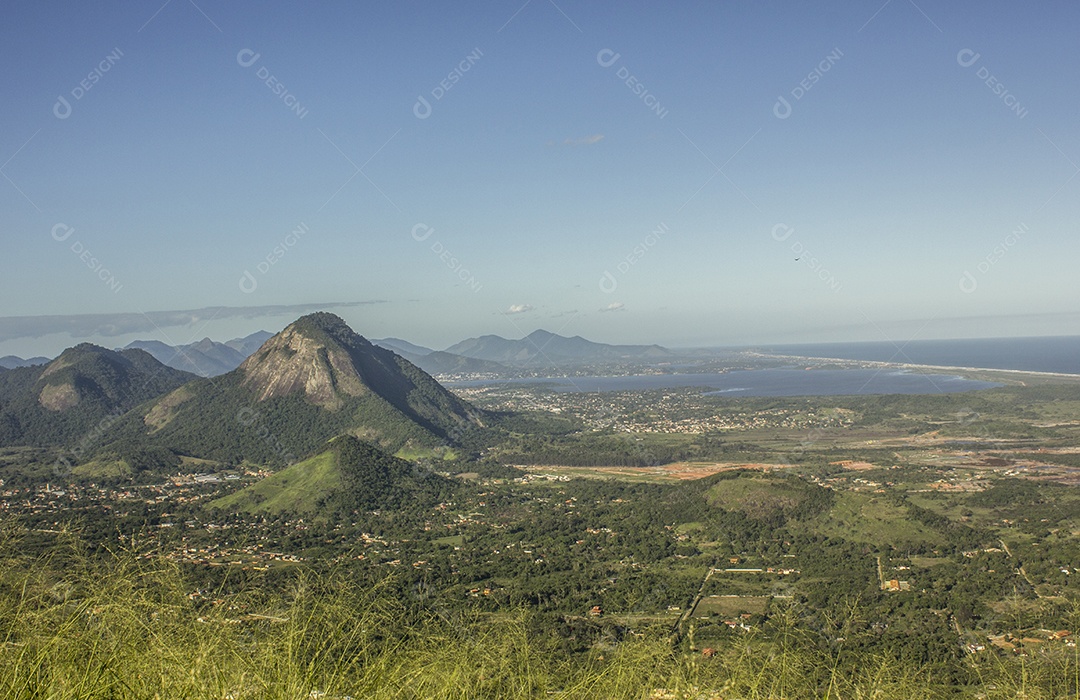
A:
{"points": [[762, 382]]}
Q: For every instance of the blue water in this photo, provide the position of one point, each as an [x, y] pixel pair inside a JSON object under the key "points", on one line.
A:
{"points": [[764, 382], [1047, 354]]}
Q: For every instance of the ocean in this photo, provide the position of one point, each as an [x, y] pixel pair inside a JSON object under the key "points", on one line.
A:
{"points": [[1045, 354]]}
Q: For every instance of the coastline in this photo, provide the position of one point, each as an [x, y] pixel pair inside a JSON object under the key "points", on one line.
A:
{"points": [[962, 371]]}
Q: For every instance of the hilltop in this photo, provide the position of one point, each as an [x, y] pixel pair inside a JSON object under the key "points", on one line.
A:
{"points": [[59, 403], [347, 474]]}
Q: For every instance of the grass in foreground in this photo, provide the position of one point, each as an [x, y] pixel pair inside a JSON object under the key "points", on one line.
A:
{"points": [[131, 629]]}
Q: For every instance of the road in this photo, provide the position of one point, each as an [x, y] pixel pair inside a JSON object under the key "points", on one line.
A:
{"points": [[677, 629]]}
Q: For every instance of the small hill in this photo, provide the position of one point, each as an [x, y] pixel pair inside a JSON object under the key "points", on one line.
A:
{"points": [[348, 474], [314, 380], [542, 348], [78, 394], [766, 498], [876, 519]]}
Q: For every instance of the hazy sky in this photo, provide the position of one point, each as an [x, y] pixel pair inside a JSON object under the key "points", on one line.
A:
{"points": [[694, 173]]}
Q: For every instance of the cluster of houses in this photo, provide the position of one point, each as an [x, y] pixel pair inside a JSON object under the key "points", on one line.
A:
{"points": [[1017, 643]]}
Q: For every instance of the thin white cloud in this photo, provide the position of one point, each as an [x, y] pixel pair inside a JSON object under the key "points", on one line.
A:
{"points": [[614, 306], [519, 309], [584, 141], [588, 140], [118, 324]]}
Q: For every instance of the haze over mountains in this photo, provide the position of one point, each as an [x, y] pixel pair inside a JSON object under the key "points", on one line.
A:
{"points": [[13, 362], [205, 358], [485, 354], [314, 381], [542, 348]]}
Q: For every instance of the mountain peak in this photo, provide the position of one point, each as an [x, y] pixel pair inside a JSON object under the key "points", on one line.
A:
{"points": [[324, 323], [322, 359], [540, 335], [313, 355]]}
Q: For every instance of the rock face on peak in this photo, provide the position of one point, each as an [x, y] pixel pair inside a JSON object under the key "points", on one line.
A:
{"points": [[320, 357], [314, 380], [294, 361]]}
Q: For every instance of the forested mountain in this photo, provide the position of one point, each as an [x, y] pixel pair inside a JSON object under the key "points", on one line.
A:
{"points": [[86, 387], [313, 381]]}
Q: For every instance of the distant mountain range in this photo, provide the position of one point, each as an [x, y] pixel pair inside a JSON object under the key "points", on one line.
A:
{"points": [[488, 354], [402, 347], [438, 361], [495, 354], [317, 399], [542, 348], [205, 358], [13, 362]]}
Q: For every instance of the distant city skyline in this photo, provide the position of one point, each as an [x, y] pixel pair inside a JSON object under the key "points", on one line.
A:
{"points": [[693, 175]]}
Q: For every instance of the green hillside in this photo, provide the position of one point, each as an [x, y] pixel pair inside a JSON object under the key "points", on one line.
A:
{"points": [[348, 475], [72, 400]]}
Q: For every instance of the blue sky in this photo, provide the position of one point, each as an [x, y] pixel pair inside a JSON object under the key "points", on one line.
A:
{"points": [[623, 171]]}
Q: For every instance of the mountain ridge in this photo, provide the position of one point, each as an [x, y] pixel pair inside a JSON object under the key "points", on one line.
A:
{"points": [[542, 347], [205, 358]]}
